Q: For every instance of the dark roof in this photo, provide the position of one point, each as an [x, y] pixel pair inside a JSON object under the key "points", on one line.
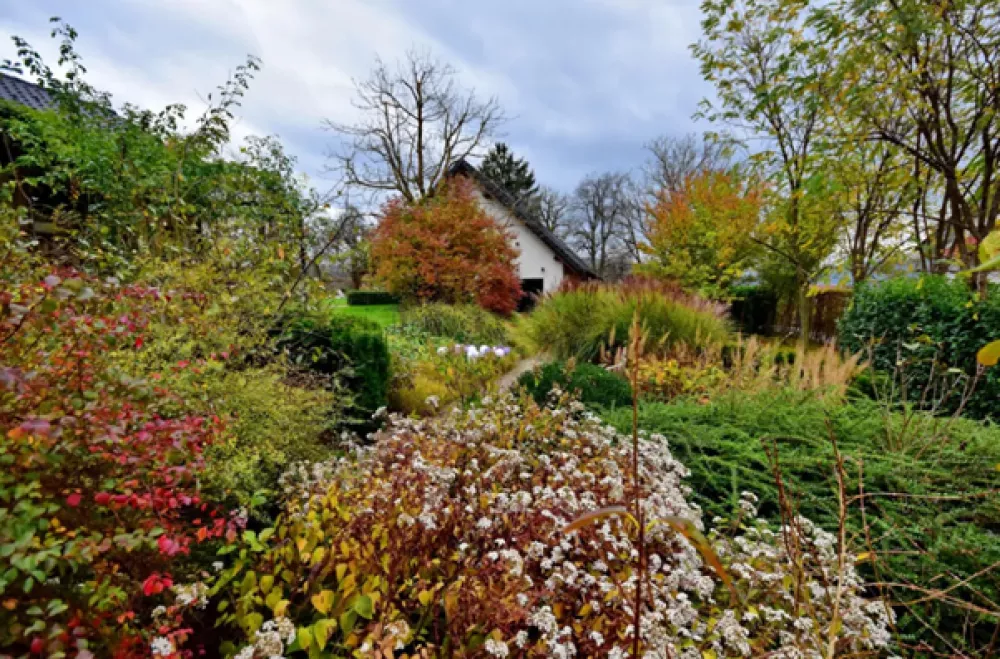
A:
{"points": [[23, 92], [500, 194]]}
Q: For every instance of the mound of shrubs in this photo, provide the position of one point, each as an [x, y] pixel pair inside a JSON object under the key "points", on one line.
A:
{"points": [[349, 348], [592, 384], [581, 322], [931, 513], [929, 324], [464, 323], [449, 537]]}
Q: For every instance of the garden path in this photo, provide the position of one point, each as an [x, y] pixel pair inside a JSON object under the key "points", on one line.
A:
{"points": [[522, 367]]}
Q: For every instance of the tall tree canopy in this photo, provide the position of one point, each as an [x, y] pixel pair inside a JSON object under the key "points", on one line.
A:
{"points": [[773, 83], [939, 64], [513, 173]]}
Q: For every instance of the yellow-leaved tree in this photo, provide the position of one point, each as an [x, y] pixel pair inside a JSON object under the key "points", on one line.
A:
{"points": [[699, 235]]}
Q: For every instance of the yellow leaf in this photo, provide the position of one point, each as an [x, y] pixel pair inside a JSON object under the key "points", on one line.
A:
{"points": [[425, 597], [323, 601], [265, 583], [281, 608], [305, 637], [341, 571], [989, 354], [321, 631]]}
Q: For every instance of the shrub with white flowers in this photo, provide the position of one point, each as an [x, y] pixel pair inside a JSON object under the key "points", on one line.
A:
{"points": [[448, 535]]}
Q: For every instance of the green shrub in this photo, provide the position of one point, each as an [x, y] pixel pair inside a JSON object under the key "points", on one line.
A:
{"points": [[464, 323], [581, 322], [349, 348], [369, 298], [271, 424], [922, 320], [933, 512], [594, 385]]}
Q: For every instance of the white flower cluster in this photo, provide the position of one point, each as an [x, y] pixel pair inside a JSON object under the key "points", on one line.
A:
{"points": [[489, 491], [194, 594], [472, 352], [270, 640], [161, 646]]}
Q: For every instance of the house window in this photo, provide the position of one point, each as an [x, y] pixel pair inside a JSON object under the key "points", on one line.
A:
{"points": [[530, 290]]}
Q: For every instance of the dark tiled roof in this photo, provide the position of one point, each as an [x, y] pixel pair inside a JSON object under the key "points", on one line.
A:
{"points": [[23, 92], [496, 191]]}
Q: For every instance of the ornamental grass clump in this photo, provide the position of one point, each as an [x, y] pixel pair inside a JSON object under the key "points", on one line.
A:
{"points": [[588, 320], [448, 537]]}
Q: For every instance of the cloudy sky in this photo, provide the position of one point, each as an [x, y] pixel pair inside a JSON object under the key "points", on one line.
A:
{"points": [[585, 82]]}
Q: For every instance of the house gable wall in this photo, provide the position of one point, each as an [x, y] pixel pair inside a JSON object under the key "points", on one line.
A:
{"points": [[536, 259]]}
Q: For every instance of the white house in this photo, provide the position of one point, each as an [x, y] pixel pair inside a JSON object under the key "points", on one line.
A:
{"points": [[545, 261]]}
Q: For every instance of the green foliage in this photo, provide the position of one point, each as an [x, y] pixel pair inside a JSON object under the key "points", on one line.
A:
{"points": [[514, 174], [929, 324], [271, 423], [591, 383], [351, 349], [582, 322], [364, 298], [109, 184], [464, 323], [933, 510]]}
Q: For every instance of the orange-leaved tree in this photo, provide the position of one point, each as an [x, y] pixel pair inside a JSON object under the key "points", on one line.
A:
{"points": [[700, 234], [446, 248]]}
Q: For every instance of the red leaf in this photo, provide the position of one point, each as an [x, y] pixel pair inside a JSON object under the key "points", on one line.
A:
{"points": [[73, 500]]}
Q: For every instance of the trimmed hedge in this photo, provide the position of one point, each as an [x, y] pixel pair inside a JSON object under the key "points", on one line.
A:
{"points": [[369, 298], [595, 385], [922, 319], [351, 348]]}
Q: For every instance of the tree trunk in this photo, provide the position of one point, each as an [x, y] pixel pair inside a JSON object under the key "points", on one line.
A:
{"points": [[804, 305]]}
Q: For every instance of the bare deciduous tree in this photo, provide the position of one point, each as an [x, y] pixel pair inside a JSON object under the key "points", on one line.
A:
{"points": [[416, 122], [553, 209], [672, 160], [602, 208]]}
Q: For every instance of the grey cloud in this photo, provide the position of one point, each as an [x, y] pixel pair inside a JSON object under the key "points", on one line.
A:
{"points": [[587, 82]]}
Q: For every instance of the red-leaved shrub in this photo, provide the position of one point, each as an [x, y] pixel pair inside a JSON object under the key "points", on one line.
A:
{"points": [[99, 497], [446, 248]]}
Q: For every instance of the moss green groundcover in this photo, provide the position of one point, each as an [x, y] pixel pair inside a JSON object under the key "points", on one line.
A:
{"points": [[932, 508]]}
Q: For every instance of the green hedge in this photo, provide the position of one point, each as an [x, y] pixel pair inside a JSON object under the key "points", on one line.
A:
{"points": [[593, 384], [350, 348], [723, 445], [754, 309], [369, 298], [921, 319]]}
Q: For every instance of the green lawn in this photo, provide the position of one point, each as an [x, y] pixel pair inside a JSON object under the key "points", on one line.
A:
{"points": [[383, 314]]}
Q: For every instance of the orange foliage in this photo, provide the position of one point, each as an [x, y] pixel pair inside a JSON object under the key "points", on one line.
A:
{"points": [[700, 235], [446, 249]]}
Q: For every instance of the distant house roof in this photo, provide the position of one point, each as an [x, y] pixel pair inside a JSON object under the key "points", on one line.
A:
{"points": [[26, 93], [498, 193]]}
